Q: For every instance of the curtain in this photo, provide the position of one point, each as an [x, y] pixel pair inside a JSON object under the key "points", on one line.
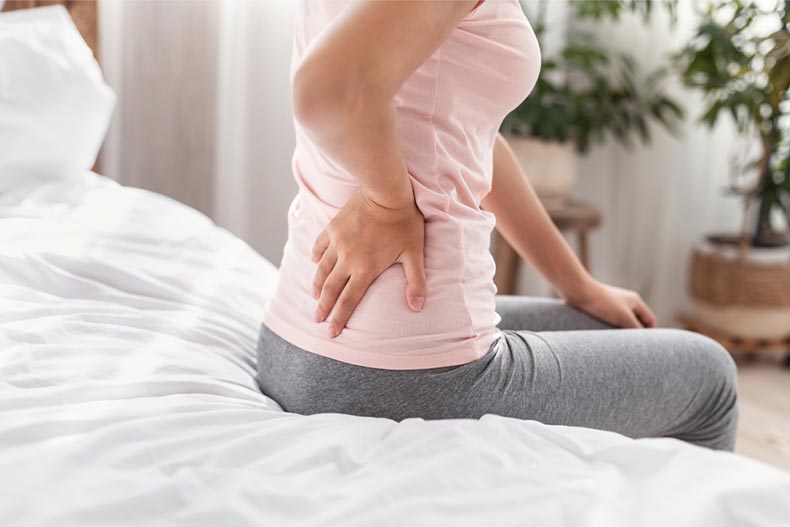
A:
{"points": [[204, 116], [204, 111]]}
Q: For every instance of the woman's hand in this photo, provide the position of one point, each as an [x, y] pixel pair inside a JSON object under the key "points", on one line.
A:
{"points": [[363, 240], [616, 306]]}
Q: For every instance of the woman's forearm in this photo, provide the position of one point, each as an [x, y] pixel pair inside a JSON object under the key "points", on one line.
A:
{"points": [[357, 130], [524, 223]]}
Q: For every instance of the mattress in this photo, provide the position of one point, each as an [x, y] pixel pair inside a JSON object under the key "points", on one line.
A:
{"points": [[128, 326]]}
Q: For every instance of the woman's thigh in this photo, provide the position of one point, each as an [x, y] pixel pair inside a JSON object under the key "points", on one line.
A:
{"points": [[542, 314], [641, 383]]}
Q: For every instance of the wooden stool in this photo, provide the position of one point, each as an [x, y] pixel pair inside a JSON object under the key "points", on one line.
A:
{"points": [[575, 216]]}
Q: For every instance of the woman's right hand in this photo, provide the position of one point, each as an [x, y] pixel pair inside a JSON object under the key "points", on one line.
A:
{"points": [[360, 243]]}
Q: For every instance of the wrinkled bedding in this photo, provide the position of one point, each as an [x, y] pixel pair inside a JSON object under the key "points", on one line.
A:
{"points": [[128, 326]]}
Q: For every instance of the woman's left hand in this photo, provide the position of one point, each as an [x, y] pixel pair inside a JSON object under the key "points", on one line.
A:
{"points": [[614, 305]]}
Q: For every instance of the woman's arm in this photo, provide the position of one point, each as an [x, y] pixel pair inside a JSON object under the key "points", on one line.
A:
{"points": [[343, 97], [524, 223]]}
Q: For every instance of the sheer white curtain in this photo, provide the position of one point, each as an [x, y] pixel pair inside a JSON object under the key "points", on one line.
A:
{"points": [[204, 116], [204, 112], [253, 183]]}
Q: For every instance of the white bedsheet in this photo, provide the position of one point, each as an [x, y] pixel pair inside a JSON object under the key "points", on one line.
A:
{"points": [[128, 326]]}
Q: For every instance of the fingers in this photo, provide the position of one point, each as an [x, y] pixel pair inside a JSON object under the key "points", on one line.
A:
{"points": [[646, 316], [352, 293], [320, 245], [333, 285], [630, 321], [414, 267], [325, 266]]}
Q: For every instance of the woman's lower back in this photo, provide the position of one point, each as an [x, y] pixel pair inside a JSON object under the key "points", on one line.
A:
{"points": [[456, 325]]}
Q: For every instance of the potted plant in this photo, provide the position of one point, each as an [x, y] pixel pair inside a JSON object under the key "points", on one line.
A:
{"points": [[739, 59], [584, 92]]}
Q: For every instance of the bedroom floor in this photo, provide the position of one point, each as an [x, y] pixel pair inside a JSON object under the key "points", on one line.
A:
{"points": [[764, 428]]}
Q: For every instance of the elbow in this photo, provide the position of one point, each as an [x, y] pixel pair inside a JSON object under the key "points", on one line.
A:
{"points": [[319, 96], [308, 99], [327, 98]]}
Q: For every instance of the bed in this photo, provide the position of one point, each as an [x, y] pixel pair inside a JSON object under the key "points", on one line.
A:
{"points": [[128, 327]]}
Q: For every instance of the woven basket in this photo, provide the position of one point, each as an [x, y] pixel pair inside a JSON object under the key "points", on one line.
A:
{"points": [[721, 279]]}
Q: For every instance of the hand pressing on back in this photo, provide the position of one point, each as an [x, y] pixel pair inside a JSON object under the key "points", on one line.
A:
{"points": [[361, 242]]}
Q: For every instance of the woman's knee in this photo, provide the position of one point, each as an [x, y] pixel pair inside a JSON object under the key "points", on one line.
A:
{"points": [[716, 375], [713, 359]]}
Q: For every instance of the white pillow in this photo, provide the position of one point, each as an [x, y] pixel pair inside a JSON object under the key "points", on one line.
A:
{"points": [[55, 107]]}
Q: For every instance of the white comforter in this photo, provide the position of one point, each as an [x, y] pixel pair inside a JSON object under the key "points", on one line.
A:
{"points": [[128, 326]]}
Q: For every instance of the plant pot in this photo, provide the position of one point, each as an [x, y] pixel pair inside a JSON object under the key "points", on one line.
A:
{"points": [[742, 294], [549, 165]]}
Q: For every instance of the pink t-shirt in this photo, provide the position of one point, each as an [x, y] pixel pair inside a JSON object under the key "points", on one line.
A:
{"points": [[447, 116]]}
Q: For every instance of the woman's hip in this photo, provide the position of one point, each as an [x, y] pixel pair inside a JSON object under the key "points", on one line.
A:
{"points": [[307, 383]]}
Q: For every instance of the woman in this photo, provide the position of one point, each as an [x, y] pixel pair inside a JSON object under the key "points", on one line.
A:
{"points": [[386, 304]]}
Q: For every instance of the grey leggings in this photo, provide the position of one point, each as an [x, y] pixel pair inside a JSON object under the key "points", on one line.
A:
{"points": [[553, 364]]}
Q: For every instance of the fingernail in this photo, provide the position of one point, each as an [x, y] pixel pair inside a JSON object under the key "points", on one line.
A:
{"points": [[417, 302], [333, 332], [317, 315]]}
